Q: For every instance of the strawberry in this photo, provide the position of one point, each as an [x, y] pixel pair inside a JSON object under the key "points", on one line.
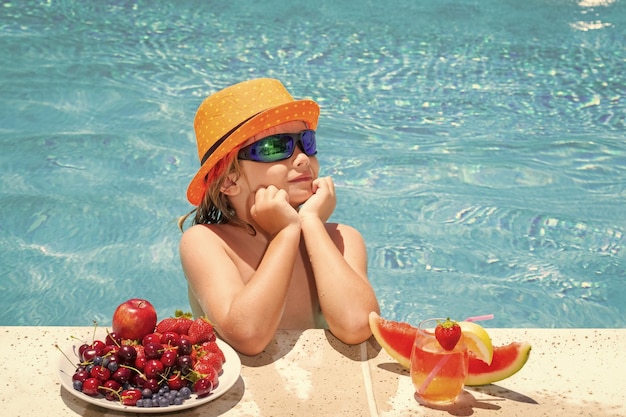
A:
{"points": [[210, 360], [180, 323], [205, 368], [212, 347], [201, 331], [183, 324], [213, 359], [448, 333], [141, 351], [168, 324], [207, 354]]}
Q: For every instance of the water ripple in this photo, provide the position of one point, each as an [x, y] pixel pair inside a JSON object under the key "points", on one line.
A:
{"points": [[478, 147]]}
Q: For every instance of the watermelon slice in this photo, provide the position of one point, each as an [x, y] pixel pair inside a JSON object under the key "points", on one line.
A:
{"points": [[397, 339]]}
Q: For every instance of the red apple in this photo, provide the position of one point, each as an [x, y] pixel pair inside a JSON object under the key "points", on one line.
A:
{"points": [[135, 318]]}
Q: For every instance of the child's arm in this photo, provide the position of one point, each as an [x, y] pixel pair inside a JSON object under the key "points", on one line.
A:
{"points": [[246, 315], [339, 260]]}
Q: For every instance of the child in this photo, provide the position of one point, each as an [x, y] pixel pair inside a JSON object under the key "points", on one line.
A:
{"points": [[260, 255]]}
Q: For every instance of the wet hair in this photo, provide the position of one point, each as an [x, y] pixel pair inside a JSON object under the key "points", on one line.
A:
{"points": [[215, 208]]}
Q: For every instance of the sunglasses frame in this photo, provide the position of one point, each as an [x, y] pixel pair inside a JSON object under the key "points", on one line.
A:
{"points": [[246, 153]]}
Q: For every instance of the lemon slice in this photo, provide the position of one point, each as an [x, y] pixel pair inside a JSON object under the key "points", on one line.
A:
{"points": [[477, 341]]}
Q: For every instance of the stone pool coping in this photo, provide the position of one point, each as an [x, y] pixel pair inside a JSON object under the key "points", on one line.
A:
{"points": [[570, 372]]}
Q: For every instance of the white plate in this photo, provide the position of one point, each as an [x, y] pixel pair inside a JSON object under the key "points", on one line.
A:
{"points": [[230, 374]]}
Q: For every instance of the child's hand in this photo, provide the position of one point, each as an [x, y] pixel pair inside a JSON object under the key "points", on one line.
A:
{"points": [[271, 210], [323, 201]]}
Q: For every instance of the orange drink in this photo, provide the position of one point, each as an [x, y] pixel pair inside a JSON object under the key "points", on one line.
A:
{"points": [[438, 375]]}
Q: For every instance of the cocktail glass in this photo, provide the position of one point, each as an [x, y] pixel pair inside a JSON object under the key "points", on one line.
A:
{"points": [[438, 375]]}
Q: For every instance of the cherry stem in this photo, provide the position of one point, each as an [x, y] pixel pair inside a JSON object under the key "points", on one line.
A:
{"points": [[113, 339], [63, 353], [117, 392], [95, 326], [141, 374], [76, 338]]}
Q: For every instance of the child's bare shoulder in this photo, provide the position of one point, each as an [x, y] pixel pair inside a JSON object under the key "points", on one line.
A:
{"points": [[202, 234], [211, 236], [343, 234], [217, 230], [340, 228]]}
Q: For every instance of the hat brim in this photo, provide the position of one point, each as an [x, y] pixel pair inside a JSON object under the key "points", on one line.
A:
{"points": [[299, 110]]}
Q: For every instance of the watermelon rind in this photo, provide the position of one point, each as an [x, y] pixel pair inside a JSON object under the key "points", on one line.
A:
{"points": [[395, 337], [507, 361]]}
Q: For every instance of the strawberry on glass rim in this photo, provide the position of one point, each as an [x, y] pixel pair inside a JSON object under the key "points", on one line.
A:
{"points": [[449, 332]]}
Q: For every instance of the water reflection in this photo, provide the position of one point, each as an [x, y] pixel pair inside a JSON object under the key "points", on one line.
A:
{"points": [[588, 6]]}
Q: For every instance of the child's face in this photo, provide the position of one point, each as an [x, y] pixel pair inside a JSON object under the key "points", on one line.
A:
{"points": [[294, 175]]}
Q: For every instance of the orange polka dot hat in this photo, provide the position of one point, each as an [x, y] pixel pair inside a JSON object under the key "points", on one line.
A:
{"points": [[231, 116]]}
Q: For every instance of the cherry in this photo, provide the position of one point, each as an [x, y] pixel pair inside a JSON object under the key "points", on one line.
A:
{"points": [[170, 338], [110, 389], [127, 354], [203, 386], [130, 396], [110, 350], [184, 364], [138, 380], [81, 375], [151, 338], [185, 347], [101, 373], [152, 384], [98, 345], [140, 362], [169, 358], [153, 350], [82, 348], [153, 368], [90, 386], [122, 375], [88, 354], [113, 339], [176, 381]]}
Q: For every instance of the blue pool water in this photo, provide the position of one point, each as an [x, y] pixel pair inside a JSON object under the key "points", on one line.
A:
{"points": [[478, 145]]}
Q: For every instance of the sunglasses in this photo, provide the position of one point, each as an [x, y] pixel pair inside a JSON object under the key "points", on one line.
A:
{"points": [[279, 147]]}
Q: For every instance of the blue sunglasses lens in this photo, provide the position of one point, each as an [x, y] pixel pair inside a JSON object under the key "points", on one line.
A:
{"points": [[307, 140], [279, 147]]}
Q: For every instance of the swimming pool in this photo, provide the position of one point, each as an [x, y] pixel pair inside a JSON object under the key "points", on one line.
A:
{"points": [[477, 145]]}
